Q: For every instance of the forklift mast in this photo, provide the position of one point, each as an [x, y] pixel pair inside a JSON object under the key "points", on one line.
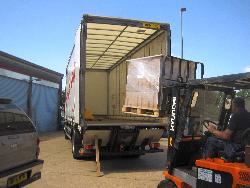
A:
{"points": [[180, 98], [180, 107], [173, 126]]}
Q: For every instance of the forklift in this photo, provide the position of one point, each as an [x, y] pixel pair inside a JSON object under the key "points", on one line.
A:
{"points": [[194, 104]]}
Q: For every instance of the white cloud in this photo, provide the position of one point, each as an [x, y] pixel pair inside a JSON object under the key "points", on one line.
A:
{"points": [[175, 55], [247, 69]]}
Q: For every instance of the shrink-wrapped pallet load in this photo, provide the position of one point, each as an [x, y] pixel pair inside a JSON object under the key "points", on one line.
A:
{"points": [[144, 82]]}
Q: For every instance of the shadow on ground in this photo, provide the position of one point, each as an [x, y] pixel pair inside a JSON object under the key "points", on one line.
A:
{"points": [[149, 162], [145, 163], [50, 135]]}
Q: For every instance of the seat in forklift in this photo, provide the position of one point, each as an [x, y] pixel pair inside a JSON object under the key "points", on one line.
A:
{"points": [[239, 155]]}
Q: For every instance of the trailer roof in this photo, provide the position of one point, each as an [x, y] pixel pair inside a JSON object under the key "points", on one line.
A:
{"points": [[110, 40]]}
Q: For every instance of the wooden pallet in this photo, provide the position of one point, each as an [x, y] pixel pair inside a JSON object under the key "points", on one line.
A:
{"points": [[143, 100], [141, 111]]}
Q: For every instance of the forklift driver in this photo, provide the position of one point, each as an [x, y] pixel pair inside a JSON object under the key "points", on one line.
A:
{"points": [[228, 141]]}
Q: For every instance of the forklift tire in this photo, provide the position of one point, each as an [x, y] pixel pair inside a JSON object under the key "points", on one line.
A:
{"points": [[166, 184], [75, 147]]}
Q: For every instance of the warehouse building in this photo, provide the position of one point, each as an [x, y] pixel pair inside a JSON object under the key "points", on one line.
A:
{"points": [[37, 90]]}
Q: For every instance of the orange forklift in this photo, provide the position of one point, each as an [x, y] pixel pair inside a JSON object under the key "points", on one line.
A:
{"points": [[193, 105]]}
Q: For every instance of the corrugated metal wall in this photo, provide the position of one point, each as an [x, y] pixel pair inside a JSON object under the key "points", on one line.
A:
{"points": [[45, 107], [44, 101], [15, 90]]}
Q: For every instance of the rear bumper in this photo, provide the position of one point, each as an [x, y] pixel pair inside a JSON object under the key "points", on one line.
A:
{"points": [[33, 169]]}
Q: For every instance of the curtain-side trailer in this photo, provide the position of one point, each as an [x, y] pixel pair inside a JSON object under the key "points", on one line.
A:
{"points": [[96, 82]]}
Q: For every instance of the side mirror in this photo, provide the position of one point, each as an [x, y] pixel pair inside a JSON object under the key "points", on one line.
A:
{"points": [[228, 103], [194, 99]]}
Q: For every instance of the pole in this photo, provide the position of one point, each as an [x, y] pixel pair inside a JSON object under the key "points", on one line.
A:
{"points": [[29, 99], [181, 38], [182, 10]]}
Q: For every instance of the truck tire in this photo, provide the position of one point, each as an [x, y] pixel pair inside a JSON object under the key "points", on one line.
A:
{"points": [[65, 136], [166, 184], [75, 146]]}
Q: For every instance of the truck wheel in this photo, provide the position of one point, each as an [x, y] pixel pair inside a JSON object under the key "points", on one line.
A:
{"points": [[166, 184], [65, 136], [75, 147]]}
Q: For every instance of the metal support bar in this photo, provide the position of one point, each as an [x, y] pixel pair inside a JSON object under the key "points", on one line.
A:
{"points": [[110, 45], [110, 52], [109, 48], [59, 109], [138, 47], [202, 70], [119, 21], [105, 55], [114, 45], [188, 68], [101, 62], [182, 10], [83, 53], [93, 29], [112, 41], [98, 164], [179, 73], [29, 98], [107, 35]]}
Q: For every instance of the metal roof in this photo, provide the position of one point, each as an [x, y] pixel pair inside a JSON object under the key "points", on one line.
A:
{"points": [[236, 81], [22, 66], [109, 40]]}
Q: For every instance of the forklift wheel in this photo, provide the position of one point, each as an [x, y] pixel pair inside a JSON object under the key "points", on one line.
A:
{"points": [[166, 184]]}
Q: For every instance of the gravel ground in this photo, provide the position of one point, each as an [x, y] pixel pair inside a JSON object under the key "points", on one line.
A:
{"points": [[61, 170]]}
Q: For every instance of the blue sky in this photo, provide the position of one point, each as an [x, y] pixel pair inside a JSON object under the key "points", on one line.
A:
{"points": [[216, 33]]}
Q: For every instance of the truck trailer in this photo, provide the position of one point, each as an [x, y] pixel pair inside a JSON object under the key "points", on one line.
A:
{"points": [[96, 83]]}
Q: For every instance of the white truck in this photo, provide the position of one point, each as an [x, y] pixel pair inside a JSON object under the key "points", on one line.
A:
{"points": [[96, 83]]}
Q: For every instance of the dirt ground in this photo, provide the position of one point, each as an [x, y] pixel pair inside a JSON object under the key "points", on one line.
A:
{"points": [[61, 170]]}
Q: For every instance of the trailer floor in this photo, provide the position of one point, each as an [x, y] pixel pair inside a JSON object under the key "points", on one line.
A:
{"points": [[61, 170], [101, 121], [118, 122]]}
